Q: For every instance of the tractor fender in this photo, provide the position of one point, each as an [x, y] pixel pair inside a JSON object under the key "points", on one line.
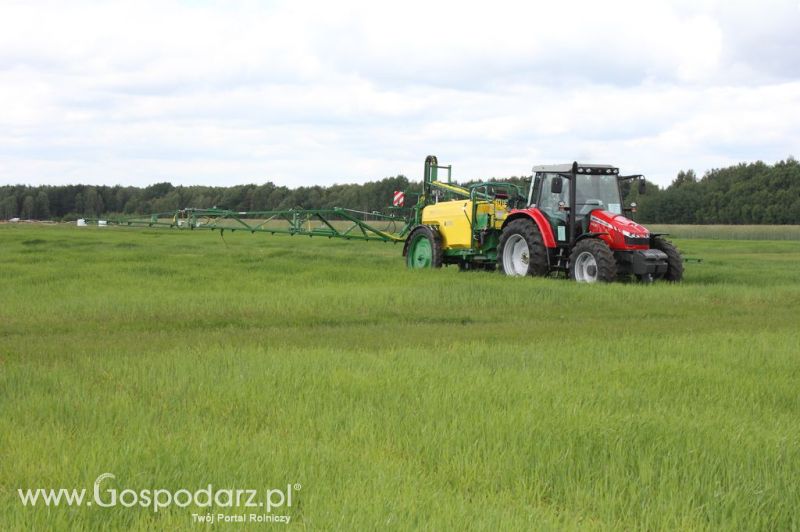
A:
{"points": [[539, 219], [590, 235], [605, 237]]}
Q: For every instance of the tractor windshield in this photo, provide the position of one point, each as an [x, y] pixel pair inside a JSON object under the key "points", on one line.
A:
{"points": [[597, 192]]}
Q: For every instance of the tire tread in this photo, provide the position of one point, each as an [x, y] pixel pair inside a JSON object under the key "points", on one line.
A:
{"points": [[539, 264], [606, 264]]}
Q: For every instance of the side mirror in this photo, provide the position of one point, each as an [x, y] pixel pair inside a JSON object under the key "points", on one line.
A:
{"points": [[556, 185], [642, 185]]}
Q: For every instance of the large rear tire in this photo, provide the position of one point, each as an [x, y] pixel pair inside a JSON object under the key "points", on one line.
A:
{"points": [[423, 248], [592, 261], [674, 259], [521, 250]]}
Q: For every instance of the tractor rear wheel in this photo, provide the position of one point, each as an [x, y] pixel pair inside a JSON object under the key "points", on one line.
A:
{"points": [[591, 261], [423, 248], [521, 250], [674, 259]]}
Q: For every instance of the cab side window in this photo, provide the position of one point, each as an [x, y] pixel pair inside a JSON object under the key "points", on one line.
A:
{"points": [[535, 190], [548, 202]]}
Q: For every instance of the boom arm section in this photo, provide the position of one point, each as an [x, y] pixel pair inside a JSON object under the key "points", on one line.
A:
{"points": [[333, 223]]}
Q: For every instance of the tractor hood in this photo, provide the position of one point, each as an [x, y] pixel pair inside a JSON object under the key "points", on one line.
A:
{"points": [[624, 232]]}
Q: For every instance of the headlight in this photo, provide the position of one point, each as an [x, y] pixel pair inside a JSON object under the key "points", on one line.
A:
{"points": [[634, 235]]}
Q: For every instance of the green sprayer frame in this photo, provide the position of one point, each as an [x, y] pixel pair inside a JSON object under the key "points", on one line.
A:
{"points": [[349, 224]]}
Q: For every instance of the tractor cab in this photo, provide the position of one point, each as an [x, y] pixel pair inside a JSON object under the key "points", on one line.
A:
{"points": [[595, 187]]}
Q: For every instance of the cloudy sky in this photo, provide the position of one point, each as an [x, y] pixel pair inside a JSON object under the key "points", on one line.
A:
{"points": [[203, 92]]}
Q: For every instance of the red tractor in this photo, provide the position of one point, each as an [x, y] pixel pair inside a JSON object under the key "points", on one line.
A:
{"points": [[574, 222]]}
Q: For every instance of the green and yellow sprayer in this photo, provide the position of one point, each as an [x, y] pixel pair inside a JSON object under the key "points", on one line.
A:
{"points": [[571, 221]]}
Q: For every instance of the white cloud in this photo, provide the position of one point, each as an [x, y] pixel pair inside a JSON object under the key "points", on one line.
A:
{"points": [[323, 92]]}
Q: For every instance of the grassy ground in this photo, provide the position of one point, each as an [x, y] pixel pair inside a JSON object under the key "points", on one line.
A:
{"points": [[397, 399]]}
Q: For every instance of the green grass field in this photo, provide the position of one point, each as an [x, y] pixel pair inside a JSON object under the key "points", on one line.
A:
{"points": [[436, 399], [730, 232]]}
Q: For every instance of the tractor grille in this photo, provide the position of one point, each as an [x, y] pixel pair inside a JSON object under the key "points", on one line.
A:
{"points": [[637, 240]]}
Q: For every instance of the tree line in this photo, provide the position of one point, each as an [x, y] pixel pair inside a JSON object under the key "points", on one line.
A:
{"points": [[748, 193], [752, 193], [75, 201]]}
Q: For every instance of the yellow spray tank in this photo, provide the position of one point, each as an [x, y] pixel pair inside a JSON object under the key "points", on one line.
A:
{"points": [[455, 219], [458, 225]]}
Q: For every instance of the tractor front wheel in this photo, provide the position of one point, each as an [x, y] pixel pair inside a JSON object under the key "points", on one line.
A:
{"points": [[423, 248], [591, 261], [521, 250], [674, 259]]}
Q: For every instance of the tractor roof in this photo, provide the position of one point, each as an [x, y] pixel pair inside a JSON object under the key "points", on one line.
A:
{"points": [[584, 168]]}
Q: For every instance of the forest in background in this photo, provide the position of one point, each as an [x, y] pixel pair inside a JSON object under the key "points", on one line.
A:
{"points": [[748, 193]]}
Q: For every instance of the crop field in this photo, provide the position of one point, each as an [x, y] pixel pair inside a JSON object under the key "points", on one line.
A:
{"points": [[731, 232], [394, 399]]}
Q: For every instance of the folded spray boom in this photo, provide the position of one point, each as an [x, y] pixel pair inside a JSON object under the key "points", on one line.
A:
{"points": [[349, 224]]}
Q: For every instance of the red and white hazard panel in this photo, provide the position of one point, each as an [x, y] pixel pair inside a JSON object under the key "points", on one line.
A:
{"points": [[399, 198]]}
